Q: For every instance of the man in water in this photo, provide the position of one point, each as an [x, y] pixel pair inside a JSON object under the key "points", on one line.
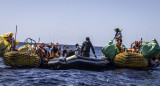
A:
{"points": [[85, 50], [68, 52]]}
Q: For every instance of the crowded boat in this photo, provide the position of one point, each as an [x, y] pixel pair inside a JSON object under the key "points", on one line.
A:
{"points": [[141, 54]]}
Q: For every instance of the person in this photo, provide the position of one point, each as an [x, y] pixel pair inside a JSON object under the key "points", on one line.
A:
{"points": [[68, 52], [48, 49], [136, 47], [78, 50], [9, 38], [118, 37], [59, 49], [55, 51], [85, 50], [41, 51]]}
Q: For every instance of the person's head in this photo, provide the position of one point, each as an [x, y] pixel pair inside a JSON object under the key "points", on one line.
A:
{"points": [[64, 47], [136, 42], [50, 45], [42, 44], [77, 45], [117, 29], [87, 39], [10, 35], [56, 45]]}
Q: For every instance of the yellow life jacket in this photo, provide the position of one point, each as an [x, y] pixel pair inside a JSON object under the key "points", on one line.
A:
{"points": [[4, 46], [7, 35]]}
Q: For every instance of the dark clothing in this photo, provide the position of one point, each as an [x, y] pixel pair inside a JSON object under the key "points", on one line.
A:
{"points": [[68, 52], [135, 46], [118, 36], [85, 50], [86, 54], [55, 50]]}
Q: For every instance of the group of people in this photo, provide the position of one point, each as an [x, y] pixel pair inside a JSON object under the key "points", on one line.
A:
{"points": [[50, 51], [135, 46]]}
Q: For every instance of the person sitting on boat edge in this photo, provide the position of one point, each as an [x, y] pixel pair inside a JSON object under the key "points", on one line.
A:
{"points": [[136, 46], [85, 50], [41, 51], [48, 49], [59, 49], [55, 51], [68, 52], [78, 50]]}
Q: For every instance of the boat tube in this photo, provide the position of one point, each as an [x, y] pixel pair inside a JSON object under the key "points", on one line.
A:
{"points": [[78, 62]]}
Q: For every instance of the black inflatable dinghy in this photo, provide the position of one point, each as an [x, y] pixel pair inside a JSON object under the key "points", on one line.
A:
{"points": [[78, 62]]}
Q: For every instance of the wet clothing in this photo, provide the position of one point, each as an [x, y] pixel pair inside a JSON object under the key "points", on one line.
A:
{"points": [[85, 50], [68, 52]]}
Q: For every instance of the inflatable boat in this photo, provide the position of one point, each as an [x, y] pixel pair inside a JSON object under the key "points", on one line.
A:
{"points": [[78, 62]]}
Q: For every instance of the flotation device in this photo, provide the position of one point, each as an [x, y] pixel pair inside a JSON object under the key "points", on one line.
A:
{"points": [[27, 48], [78, 62], [15, 58], [128, 59], [4, 46], [150, 49], [7, 35], [5, 43], [110, 50], [53, 55]]}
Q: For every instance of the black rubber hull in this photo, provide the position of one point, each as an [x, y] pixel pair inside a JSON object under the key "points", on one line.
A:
{"points": [[78, 62]]}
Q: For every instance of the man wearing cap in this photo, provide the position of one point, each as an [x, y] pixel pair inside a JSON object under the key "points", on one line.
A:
{"points": [[118, 37]]}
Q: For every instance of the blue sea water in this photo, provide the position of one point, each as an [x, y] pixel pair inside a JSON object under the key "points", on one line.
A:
{"points": [[73, 77]]}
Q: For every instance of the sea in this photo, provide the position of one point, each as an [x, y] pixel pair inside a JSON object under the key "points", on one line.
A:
{"points": [[10, 76]]}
